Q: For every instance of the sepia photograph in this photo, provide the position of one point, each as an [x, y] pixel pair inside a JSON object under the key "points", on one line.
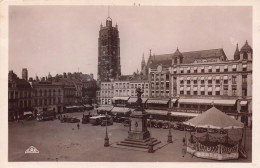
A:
{"points": [[130, 83]]}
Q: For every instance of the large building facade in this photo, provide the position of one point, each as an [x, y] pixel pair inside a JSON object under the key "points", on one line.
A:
{"points": [[195, 81], [109, 67]]}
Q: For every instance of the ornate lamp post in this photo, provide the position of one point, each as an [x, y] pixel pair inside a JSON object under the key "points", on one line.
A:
{"points": [[170, 134], [151, 142], [106, 144]]}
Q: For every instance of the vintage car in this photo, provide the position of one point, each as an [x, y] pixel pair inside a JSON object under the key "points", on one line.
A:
{"points": [[85, 118], [73, 120], [96, 120], [107, 121]]}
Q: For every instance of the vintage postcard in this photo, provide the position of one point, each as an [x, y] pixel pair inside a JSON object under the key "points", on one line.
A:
{"points": [[129, 83]]}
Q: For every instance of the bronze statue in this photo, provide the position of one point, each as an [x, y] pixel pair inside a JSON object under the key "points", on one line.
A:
{"points": [[139, 99]]}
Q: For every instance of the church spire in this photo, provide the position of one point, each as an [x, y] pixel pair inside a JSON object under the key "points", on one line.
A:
{"points": [[237, 54]]}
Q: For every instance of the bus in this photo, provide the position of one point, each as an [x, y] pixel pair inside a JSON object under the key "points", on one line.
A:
{"points": [[46, 115]]}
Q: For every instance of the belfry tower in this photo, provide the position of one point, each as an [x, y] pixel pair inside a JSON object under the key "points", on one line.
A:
{"points": [[109, 67]]}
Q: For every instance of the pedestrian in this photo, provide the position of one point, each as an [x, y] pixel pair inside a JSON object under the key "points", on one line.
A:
{"points": [[78, 125], [183, 151], [183, 140]]}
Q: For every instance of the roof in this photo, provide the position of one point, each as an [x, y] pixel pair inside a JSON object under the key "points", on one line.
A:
{"points": [[188, 57], [21, 83], [246, 47], [214, 118]]}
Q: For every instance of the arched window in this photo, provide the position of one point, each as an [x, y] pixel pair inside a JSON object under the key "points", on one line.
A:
{"points": [[245, 56]]}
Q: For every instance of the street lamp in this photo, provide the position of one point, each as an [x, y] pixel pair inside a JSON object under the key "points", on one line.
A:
{"points": [[106, 144], [151, 142], [170, 134]]}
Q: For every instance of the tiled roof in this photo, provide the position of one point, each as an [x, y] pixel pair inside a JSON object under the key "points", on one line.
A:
{"points": [[188, 57]]}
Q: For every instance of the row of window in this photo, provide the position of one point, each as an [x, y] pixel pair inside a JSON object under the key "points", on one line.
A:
{"points": [[124, 85], [45, 102], [47, 92], [209, 69]]}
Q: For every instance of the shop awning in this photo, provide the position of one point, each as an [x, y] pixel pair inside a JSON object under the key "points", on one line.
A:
{"points": [[105, 108], [209, 78], [120, 98], [188, 89], [202, 78], [195, 68], [134, 99], [181, 88], [225, 102], [157, 101], [217, 77], [159, 112], [120, 110], [188, 78], [27, 113], [196, 101], [87, 105], [195, 78], [243, 103], [174, 100], [234, 66], [184, 114]]}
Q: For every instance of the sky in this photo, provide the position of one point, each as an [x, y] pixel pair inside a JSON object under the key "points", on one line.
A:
{"points": [[59, 39]]}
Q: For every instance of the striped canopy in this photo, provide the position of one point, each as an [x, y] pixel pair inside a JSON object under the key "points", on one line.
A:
{"points": [[214, 118]]}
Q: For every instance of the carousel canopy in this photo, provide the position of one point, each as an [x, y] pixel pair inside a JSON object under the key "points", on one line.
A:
{"points": [[214, 118]]}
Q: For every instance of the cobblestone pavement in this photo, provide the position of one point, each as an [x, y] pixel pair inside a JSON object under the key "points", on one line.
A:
{"points": [[65, 142]]}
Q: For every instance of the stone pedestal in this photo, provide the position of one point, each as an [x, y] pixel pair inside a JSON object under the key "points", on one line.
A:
{"points": [[138, 136]]}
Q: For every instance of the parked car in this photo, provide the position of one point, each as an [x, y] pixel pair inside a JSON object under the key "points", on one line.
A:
{"points": [[73, 120], [46, 115], [96, 120], [108, 121], [85, 118]]}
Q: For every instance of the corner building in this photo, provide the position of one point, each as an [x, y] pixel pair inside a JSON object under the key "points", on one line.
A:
{"points": [[109, 67], [195, 81]]}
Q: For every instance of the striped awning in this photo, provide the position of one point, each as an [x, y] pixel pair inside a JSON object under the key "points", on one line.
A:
{"points": [[158, 101], [134, 99], [225, 102], [158, 112], [120, 98], [184, 114], [196, 101], [120, 110]]}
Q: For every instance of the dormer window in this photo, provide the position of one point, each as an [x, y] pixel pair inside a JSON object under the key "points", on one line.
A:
{"points": [[210, 69], [234, 68], [188, 70], [244, 67], [202, 69], [217, 69], [225, 68], [245, 56]]}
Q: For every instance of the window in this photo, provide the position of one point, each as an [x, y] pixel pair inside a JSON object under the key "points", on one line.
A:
{"points": [[188, 92], [195, 81], [233, 79], [244, 92], [225, 68], [244, 67], [210, 69], [188, 81], [167, 77], [225, 91], [217, 69], [182, 92], [195, 70], [217, 81], [202, 81], [188, 70], [195, 92], [202, 93], [202, 70], [209, 92], [210, 81], [245, 56], [234, 68], [244, 79], [225, 81], [181, 70], [234, 91], [217, 92], [182, 81]]}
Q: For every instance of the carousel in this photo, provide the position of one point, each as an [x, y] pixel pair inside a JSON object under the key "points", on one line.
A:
{"points": [[214, 135]]}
